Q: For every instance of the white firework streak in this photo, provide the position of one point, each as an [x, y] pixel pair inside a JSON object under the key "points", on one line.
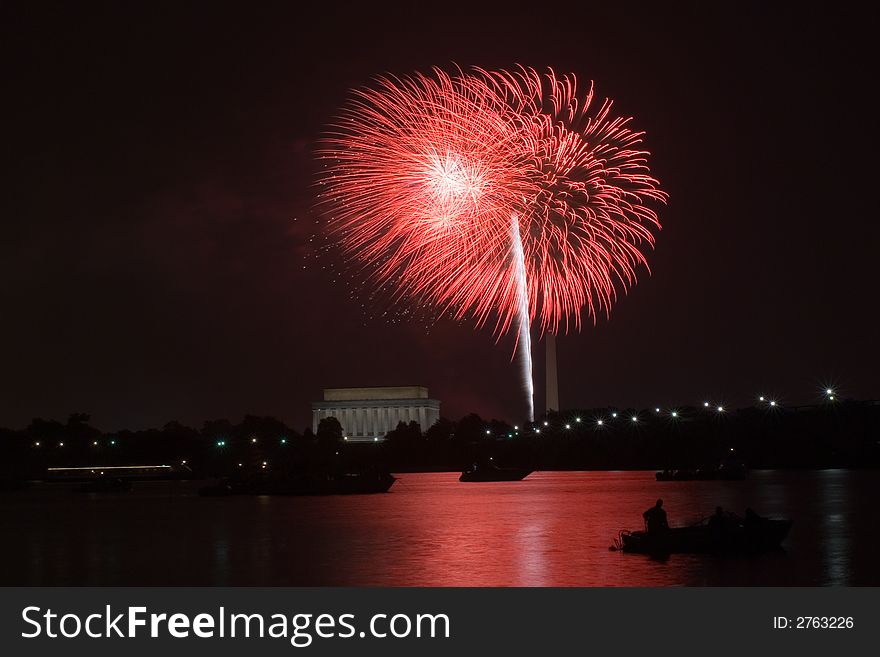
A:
{"points": [[524, 337]]}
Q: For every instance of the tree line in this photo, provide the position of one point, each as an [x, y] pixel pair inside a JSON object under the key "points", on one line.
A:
{"points": [[844, 434]]}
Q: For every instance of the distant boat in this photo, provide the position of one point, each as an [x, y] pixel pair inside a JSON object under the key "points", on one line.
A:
{"points": [[12, 483], [105, 485], [727, 470], [225, 488], [346, 483], [491, 472], [327, 483], [761, 535]]}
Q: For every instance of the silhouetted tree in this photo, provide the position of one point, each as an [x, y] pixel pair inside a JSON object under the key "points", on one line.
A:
{"points": [[470, 428], [442, 430], [329, 432]]}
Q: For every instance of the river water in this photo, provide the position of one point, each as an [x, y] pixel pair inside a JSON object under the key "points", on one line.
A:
{"points": [[552, 529]]}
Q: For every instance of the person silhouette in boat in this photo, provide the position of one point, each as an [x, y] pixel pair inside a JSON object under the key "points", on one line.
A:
{"points": [[718, 524], [752, 520], [655, 519]]}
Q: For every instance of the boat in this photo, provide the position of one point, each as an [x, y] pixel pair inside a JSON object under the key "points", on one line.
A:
{"points": [[730, 469], [344, 483], [229, 486], [105, 485], [317, 483], [491, 472], [13, 483], [737, 536]]}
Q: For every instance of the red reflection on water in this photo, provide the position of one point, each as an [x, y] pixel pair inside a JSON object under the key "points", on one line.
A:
{"points": [[552, 529]]}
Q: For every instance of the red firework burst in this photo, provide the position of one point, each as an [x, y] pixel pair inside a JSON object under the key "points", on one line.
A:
{"points": [[425, 175]]}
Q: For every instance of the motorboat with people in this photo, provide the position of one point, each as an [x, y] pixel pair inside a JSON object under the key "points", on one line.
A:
{"points": [[722, 533]]}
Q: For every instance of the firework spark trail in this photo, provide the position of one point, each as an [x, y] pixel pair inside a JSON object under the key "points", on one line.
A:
{"points": [[524, 337], [422, 175]]}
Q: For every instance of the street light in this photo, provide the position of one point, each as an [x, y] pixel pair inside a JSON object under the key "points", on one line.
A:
{"points": [[720, 409], [600, 422]]}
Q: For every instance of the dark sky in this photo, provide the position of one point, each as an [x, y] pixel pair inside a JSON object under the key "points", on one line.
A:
{"points": [[158, 202]]}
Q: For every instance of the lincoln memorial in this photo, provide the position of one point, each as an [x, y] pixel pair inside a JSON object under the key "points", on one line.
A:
{"points": [[370, 413]]}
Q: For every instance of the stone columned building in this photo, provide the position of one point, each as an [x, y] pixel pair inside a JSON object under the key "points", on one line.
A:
{"points": [[367, 414]]}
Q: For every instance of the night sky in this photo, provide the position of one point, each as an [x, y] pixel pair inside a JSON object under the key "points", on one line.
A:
{"points": [[159, 195]]}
